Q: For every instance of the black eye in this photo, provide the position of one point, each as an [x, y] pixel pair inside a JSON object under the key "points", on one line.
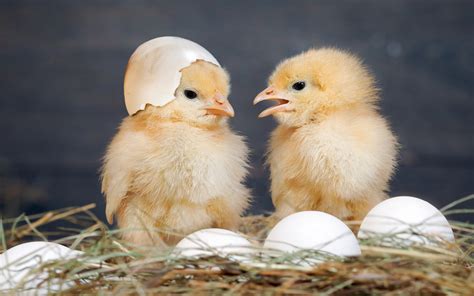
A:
{"points": [[190, 94], [299, 85]]}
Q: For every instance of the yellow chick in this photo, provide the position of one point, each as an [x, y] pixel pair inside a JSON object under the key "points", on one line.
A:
{"points": [[332, 151], [178, 168]]}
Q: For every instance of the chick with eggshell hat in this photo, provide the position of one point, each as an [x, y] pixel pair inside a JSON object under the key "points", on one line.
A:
{"points": [[175, 166]]}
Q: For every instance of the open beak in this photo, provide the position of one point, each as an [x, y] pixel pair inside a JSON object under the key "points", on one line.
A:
{"points": [[220, 106], [271, 94]]}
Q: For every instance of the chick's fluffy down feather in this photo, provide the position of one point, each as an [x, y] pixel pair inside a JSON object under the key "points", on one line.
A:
{"points": [[175, 177], [340, 166], [176, 169], [332, 151]]}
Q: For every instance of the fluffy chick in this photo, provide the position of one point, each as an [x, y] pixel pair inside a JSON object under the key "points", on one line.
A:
{"points": [[178, 167], [332, 151]]}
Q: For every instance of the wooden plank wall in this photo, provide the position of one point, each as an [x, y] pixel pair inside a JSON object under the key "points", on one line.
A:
{"points": [[62, 66]]}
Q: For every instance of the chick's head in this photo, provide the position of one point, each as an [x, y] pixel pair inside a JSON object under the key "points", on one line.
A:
{"points": [[316, 83], [201, 97]]}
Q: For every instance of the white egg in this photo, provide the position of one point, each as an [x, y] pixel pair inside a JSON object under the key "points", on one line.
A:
{"points": [[315, 231], [154, 70], [215, 242], [17, 265], [405, 220]]}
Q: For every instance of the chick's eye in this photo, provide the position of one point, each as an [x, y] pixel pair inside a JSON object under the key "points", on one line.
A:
{"points": [[299, 85], [190, 94]]}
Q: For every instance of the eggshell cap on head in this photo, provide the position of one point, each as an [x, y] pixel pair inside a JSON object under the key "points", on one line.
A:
{"points": [[154, 71]]}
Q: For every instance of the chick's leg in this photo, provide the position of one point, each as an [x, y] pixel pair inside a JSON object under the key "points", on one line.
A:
{"points": [[137, 226], [288, 198], [283, 208], [360, 208], [222, 215]]}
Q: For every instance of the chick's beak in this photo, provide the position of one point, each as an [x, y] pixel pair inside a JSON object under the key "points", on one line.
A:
{"points": [[271, 94], [220, 106]]}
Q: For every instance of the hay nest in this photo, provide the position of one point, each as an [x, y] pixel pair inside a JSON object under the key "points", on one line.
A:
{"points": [[110, 266]]}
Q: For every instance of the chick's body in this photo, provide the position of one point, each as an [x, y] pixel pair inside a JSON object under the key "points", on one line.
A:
{"points": [[177, 168], [332, 151]]}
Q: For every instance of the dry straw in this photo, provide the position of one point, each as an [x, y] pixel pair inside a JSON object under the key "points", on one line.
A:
{"points": [[111, 266]]}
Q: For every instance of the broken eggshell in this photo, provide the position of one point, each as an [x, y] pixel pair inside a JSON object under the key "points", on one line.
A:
{"points": [[154, 70]]}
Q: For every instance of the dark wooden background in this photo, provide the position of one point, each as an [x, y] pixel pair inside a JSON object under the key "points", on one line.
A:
{"points": [[62, 66]]}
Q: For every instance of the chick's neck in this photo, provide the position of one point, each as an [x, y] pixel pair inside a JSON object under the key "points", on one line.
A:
{"points": [[152, 117]]}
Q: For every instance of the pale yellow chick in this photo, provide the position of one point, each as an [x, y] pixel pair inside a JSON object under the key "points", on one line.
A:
{"points": [[178, 168], [332, 151]]}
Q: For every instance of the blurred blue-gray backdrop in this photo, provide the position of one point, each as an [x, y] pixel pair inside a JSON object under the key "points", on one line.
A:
{"points": [[62, 65]]}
